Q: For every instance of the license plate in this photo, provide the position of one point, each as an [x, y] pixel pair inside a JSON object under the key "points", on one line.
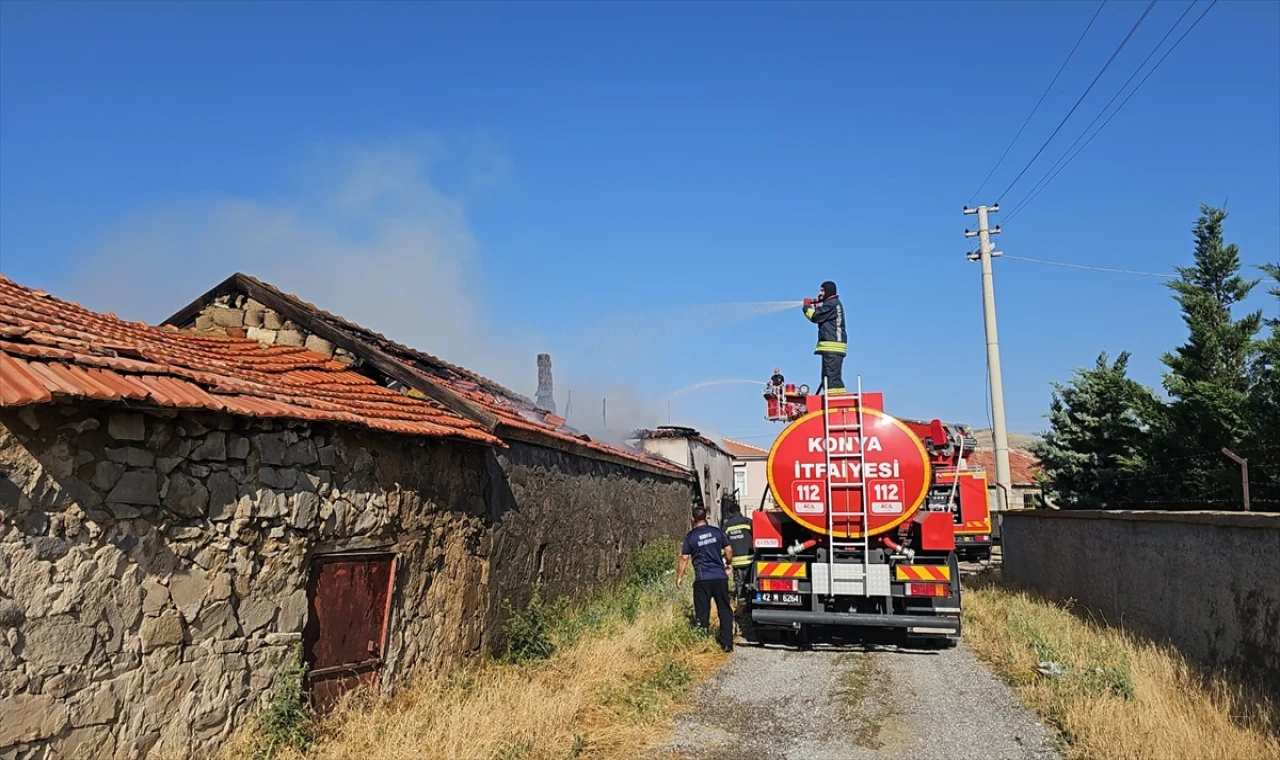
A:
{"points": [[767, 597]]}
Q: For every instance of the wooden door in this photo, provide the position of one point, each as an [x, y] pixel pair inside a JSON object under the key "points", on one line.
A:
{"points": [[349, 600]]}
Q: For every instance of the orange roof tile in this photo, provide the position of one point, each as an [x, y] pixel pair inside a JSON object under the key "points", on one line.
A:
{"points": [[512, 410], [51, 348], [1023, 465], [740, 450]]}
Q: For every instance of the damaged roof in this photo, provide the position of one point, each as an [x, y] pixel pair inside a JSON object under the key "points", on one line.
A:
{"points": [[502, 411], [50, 349], [675, 431]]}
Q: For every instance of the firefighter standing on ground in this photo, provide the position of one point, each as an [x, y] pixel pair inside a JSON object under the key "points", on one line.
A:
{"points": [[738, 528], [828, 314], [704, 546]]}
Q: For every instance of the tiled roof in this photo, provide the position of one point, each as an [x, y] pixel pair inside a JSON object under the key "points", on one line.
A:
{"points": [[1023, 465], [740, 450], [515, 415], [51, 348]]}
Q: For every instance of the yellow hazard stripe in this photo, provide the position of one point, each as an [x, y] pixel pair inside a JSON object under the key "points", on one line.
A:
{"points": [[922, 572], [782, 569]]}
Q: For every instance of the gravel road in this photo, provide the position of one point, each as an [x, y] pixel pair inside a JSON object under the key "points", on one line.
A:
{"points": [[826, 704]]}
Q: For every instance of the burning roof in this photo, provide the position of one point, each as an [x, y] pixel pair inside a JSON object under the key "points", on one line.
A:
{"points": [[500, 410]]}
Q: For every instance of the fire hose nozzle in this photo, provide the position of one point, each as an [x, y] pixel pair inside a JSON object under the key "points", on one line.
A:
{"points": [[808, 302]]}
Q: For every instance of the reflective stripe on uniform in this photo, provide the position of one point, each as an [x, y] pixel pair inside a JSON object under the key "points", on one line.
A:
{"points": [[831, 347], [733, 528], [741, 561], [835, 391]]}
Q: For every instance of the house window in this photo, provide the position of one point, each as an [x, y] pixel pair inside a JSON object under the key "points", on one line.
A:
{"points": [[1031, 500], [740, 483]]}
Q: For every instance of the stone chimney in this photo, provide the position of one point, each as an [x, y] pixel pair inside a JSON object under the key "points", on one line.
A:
{"points": [[546, 398]]}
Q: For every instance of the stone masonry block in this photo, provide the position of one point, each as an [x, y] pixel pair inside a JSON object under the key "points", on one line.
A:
{"points": [[319, 345], [227, 317], [261, 335], [127, 426], [290, 338]]}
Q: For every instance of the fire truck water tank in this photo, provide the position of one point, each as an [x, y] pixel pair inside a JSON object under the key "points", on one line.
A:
{"points": [[896, 465]]}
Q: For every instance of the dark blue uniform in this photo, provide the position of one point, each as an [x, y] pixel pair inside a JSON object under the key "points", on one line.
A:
{"points": [[704, 546], [833, 336]]}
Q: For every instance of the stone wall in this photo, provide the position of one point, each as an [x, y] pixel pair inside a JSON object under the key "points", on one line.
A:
{"points": [[569, 523], [1203, 581], [154, 565]]}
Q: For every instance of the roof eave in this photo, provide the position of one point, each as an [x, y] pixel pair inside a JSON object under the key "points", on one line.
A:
{"points": [[524, 435]]}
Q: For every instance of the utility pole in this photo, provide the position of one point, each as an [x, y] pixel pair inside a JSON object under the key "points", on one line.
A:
{"points": [[1004, 480]]}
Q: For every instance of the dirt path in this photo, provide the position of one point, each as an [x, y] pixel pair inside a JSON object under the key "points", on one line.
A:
{"points": [[780, 704]]}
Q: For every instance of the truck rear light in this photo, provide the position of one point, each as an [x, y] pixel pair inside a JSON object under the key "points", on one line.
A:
{"points": [[777, 584], [927, 589], [984, 538]]}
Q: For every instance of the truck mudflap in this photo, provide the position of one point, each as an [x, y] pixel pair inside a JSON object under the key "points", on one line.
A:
{"points": [[872, 620]]}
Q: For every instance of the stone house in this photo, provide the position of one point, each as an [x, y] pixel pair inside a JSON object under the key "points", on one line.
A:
{"points": [[180, 512], [694, 451]]}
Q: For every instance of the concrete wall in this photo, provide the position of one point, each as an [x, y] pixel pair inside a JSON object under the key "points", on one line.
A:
{"points": [[715, 476], [153, 565], [1203, 581]]}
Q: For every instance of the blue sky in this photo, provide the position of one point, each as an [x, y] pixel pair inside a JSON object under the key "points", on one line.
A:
{"points": [[488, 180]]}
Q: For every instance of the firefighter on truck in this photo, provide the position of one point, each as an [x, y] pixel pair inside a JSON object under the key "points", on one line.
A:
{"points": [[828, 314], [738, 529]]}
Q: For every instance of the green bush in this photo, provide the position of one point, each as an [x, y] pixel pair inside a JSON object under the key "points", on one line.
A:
{"points": [[284, 723], [653, 561], [529, 631]]}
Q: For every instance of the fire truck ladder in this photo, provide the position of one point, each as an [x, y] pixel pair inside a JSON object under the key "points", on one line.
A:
{"points": [[845, 425]]}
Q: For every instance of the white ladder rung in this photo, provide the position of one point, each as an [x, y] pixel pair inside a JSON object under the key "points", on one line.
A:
{"points": [[843, 428]]}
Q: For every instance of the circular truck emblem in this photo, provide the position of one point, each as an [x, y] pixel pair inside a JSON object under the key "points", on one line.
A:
{"points": [[896, 466]]}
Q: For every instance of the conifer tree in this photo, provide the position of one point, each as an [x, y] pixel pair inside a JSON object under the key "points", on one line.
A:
{"points": [[1208, 381], [1095, 452], [1264, 450]]}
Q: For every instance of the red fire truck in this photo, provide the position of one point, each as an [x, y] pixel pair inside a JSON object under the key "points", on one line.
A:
{"points": [[863, 543]]}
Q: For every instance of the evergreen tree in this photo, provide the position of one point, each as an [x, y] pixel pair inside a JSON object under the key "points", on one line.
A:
{"points": [[1264, 449], [1209, 376], [1095, 451]]}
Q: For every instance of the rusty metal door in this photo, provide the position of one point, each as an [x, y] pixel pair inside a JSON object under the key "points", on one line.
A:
{"points": [[349, 600]]}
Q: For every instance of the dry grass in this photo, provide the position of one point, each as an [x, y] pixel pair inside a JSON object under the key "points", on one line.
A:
{"points": [[608, 689], [1119, 697]]}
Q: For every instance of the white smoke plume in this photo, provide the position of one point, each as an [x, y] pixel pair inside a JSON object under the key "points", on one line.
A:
{"points": [[369, 235]]}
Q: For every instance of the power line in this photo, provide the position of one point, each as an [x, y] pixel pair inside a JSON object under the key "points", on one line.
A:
{"points": [[1132, 92], [1038, 102], [1087, 90], [1095, 269], [1035, 188]]}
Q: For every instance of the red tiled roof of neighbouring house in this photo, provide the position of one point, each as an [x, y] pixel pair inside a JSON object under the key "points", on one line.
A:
{"points": [[1023, 465], [51, 348], [513, 415], [740, 450]]}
